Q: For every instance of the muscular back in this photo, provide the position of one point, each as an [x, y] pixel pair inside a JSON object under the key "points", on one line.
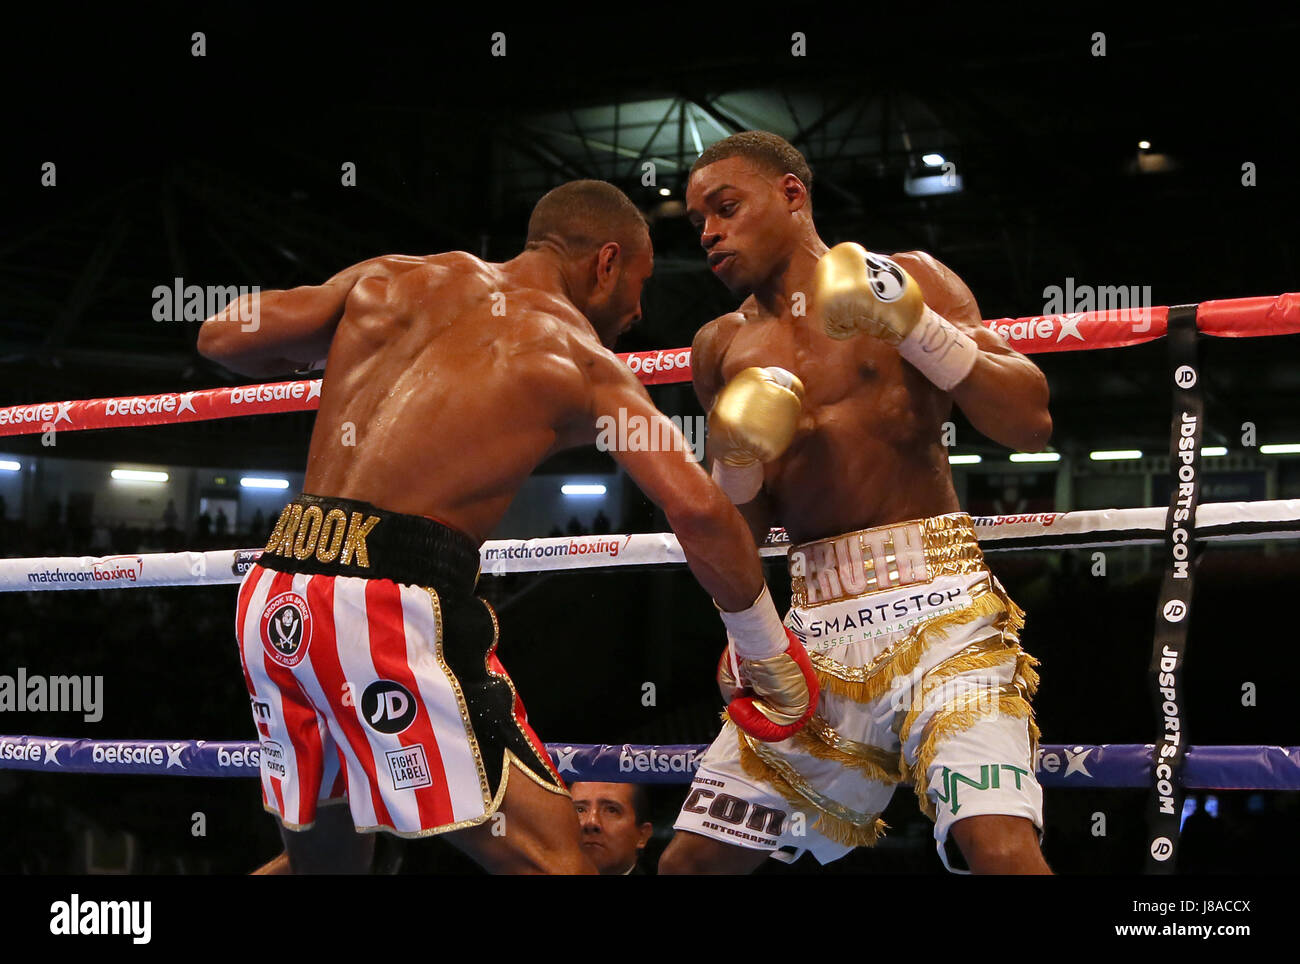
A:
{"points": [[868, 450], [450, 405]]}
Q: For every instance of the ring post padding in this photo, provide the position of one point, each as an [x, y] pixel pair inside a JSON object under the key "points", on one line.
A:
{"points": [[1174, 607]]}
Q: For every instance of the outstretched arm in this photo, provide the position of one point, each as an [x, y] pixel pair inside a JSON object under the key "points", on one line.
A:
{"points": [[717, 544], [720, 553], [270, 333]]}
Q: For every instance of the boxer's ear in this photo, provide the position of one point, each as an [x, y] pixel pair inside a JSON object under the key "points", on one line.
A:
{"points": [[608, 260]]}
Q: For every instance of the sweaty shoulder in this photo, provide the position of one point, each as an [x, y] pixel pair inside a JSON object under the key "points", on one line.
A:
{"points": [[551, 356], [944, 291], [707, 351], [408, 278]]}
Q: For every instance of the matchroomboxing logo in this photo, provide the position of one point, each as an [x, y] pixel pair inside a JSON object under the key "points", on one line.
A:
{"points": [[1044, 519], [118, 569], [272, 758], [111, 569], [547, 548]]}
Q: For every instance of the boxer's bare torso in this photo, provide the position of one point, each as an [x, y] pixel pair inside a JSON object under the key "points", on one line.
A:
{"points": [[869, 449], [449, 379], [451, 404]]}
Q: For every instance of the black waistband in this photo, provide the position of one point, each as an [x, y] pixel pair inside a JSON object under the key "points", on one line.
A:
{"points": [[346, 537]]}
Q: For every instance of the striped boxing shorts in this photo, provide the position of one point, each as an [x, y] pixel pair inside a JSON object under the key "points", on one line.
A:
{"points": [[373, 675]]}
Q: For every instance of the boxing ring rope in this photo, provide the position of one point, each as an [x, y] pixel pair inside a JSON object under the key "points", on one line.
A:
{"points": [[1215, 522], [1076, 331], [1070, 766], [1063, 766]]}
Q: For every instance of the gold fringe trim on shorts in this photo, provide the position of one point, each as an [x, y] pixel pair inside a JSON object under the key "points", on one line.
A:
{"points": [[864, 684], [820, 740], [958, 716], [834, 820], [986, 653]]}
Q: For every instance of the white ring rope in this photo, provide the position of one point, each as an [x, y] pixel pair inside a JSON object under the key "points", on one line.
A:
{"points": [[1215, 522]]}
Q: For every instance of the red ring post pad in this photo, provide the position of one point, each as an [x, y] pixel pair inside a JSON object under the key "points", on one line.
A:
{"points": [[1059, 765], [1077, 331]]}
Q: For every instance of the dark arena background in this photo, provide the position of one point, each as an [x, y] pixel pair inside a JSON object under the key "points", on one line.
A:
{"points": [[293, 146]]}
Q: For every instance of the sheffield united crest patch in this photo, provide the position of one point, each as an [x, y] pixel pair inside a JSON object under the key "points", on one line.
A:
{"points": [[286, 628]]}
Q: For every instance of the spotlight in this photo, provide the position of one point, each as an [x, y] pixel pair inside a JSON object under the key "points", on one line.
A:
{"points": [[135, 475], [574, 488], [253, 482]]}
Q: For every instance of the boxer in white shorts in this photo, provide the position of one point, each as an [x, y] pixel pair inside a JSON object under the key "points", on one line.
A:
{"points": [[922, 680], [830, 393]]}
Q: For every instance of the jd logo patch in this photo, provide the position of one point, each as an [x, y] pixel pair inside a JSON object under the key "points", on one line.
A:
{"points": [[387, 706]]}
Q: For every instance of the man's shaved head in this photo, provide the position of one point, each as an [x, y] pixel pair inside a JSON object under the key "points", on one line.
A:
{"points": [[584, 215]]}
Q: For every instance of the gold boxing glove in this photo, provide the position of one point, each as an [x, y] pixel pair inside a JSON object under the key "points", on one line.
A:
{"points": [[857, 291], [753, 420], [765, 675]]}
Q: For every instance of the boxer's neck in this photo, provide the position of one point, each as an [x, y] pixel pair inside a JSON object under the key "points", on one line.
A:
{"points": [[545, 269], [792, 276]]}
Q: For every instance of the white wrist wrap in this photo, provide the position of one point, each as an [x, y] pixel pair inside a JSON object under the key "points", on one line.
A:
{"points": [[740, 482], [941, 351], [756, 632], [783, 378]]}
